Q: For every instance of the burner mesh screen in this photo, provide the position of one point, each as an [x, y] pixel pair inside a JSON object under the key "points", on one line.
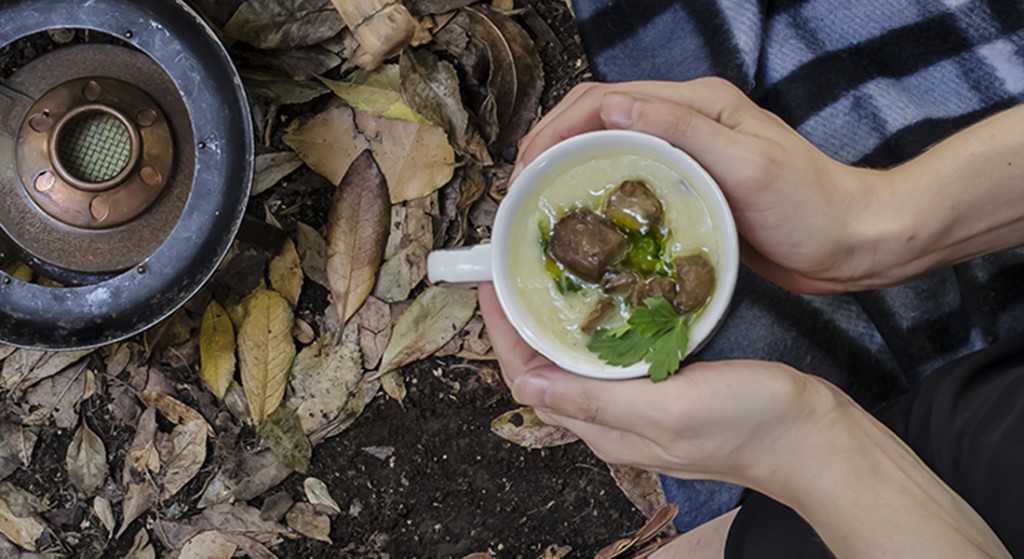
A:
{"points": [[94, 147]]}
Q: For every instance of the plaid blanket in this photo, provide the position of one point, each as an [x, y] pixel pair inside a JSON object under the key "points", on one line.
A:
{"points": [[872, 83]]}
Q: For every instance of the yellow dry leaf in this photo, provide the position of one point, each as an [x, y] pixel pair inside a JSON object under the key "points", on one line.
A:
{"points": [[377, 102], [217, 349], [416, 159], [286, 273], [20, 271], [266, 352]]}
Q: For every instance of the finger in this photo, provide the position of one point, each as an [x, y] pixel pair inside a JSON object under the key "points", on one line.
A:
{"points": [[636, 406], [514, 355]]}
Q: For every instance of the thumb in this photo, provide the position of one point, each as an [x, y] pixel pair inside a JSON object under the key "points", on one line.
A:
{"points": [[717, 147]]}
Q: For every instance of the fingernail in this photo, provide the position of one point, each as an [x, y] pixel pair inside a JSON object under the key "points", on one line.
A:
{"points": [[531, 390], [617, 110]]}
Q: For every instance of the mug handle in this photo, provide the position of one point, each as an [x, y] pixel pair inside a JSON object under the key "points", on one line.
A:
{"points": [[461, 266]]}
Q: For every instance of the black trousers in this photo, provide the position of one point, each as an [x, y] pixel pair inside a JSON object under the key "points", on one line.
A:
{"points": [[965, 420]]}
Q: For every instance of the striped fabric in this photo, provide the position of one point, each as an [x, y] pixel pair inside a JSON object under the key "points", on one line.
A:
{"points": [[871, 83]]}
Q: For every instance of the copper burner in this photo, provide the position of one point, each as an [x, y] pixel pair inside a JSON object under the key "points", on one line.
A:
{"points": [[95, 153]]}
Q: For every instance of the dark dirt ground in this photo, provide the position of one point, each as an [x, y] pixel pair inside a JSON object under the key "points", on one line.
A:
{"points": [[444, 486]]}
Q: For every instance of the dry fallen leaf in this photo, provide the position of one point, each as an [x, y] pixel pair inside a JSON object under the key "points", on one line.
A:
{"points": [[359, 220], [141, 548], [393, 384], [325, 376], [312, 249], [277, 24], [105, 513], [318, 495], [524, 428], [86, 460], [303, 332], [182, 454], [282, 431], [55, 399], [412, 237], [416, 159], [266, 351], [26, 367], [428, 7], [374, 321], [19, 516], [434, 318], [376, 93], [431, 87], [141, 463], [304, 519], [555, 552], [16, 445], [641, 487], [173, 409], [383, 28], [217, 349], [328, 142], [281, 89], [243, 478], [240, 524], [270, 168], [659, 521], [286, 273], [208, 545]]}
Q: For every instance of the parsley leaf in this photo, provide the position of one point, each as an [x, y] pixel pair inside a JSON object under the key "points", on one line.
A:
{"points": [[655, 333]]}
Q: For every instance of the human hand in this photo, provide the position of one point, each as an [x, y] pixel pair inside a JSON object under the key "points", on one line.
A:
{"points": [[744, 422], [806, 219]]}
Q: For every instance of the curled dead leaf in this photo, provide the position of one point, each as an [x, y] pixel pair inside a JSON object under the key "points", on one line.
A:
{"points": [[524, 428], [104, 513], [286, 273], [318, 494], [434, 318], [173, 409], [304, 519], [383, 28], [641, 487], [359, 221], [277, 24], [217, 349], [182, 454], [266, 351]]}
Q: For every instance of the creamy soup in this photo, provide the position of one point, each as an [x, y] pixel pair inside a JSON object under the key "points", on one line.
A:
{"points": [[587, 185]]}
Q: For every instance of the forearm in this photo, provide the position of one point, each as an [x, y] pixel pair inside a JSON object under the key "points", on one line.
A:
{"points": [[870, 496], [962, 199]]}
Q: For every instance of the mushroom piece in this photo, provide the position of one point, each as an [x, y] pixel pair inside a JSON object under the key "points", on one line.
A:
{"points": [[586, 244], [658, 286], [696, 278], [601, 311], [634, 207], [620, 282]]}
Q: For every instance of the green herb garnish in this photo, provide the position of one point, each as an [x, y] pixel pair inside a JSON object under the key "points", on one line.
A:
{"points": [[655, 333], [646, 254]]}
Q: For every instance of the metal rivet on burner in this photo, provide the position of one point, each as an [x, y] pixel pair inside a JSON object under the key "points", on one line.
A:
{"points": [[45, 181], [92, 91], [150, 175], [100, 208], [146, 117]]}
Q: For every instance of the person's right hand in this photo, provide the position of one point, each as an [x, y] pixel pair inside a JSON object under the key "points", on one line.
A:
{"points": [[805, 219]]}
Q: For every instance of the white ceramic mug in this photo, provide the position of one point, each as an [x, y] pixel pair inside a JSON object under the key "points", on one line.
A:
{"points": [[491, 262]]}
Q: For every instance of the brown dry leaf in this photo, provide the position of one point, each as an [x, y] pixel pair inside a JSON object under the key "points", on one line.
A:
{"points": [[658, 522], [298, 64], [412, 236], [641, 487], [393, 384], [377, 93], [239, 524], [271, 168], [382, 28], [525, 429], [429, 7], [25, 367], [141, 548], [281, 90], [286, 273], [142, 461], [19, 516], [374, 321], [173, 409], [312, 249], [303, 332], [217, 349], [55, 399], [318, 495], [304, 519], [431, 87], [282, 431], [359, 220], [364, 394], [415, 158], [243, 478], [436, 316], [86, 460], [120, 356], [476, 345], [615, 549], [277, 24], [328, 142], [182, 454], [208, 545], [325, 376], [16, 445], [266, 351], [556, 552], [104, 513]]}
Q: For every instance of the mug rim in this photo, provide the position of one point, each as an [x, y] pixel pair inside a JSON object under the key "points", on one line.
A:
{"points": [[696, 177]]}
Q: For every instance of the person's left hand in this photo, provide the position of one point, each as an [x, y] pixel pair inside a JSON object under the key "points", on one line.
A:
{"points": [[738, 421]]}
